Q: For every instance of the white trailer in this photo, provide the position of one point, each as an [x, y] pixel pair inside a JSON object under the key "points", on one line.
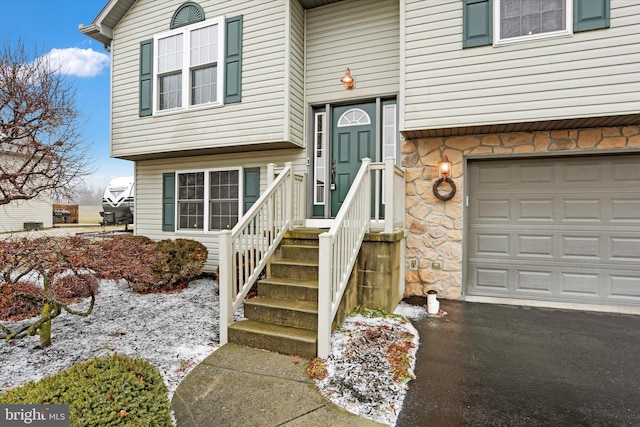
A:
{"points": [[118, 201]]}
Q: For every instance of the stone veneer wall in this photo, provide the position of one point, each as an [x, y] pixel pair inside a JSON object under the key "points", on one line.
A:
{"points": [[435, 228]]}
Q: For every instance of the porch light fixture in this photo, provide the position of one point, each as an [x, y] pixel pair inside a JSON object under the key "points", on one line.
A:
{"points": [[347, 80], [444, 188], [444, 167]]}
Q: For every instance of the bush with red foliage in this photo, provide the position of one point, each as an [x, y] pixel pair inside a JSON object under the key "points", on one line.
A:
{"points": [[125, 257], [150, 266], [44, 273], [14, 308]]}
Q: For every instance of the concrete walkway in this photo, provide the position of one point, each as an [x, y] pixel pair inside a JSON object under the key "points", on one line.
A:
{"points": [[493, 365], [241, 386]]}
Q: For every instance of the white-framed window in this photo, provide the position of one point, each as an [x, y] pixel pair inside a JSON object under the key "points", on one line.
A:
{"points": [[191, 200], [389, 138], [389, 131], [524, 20], [188, 69], [320, 153], [209, 200]]}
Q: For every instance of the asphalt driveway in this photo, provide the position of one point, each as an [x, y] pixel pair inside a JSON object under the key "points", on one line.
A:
{"points": [[493, 365]]}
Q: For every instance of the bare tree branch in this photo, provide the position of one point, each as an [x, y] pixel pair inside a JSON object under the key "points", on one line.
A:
{"points": [[42, 151]]}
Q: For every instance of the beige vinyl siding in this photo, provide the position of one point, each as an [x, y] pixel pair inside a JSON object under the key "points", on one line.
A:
{"points": [[363, 35], [15, 214], [296, 72], [148, 212], [590, 74], [227, 126]]}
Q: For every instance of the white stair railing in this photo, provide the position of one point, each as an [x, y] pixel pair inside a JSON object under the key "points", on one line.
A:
{"points": [[339, 249], [245, 250], [389, 178]]}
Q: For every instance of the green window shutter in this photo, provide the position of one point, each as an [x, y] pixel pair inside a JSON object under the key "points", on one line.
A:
{"points": [[168, 201], [251, 187], [477, 23], [590, 15], [233, 60], [146, 78]]}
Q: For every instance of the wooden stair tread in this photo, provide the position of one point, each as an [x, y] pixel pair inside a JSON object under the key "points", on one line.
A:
{"points": [[309, 283], [304, 306], [276, 330]]}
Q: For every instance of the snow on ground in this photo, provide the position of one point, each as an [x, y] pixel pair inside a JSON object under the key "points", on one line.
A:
{"points": [[360, 376], [172, 331], [177, 331]]}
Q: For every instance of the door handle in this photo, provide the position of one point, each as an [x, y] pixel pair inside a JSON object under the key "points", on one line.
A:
{"points": [[333, 175]]}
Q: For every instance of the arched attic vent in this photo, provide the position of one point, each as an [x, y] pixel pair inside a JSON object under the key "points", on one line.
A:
{"points": [[186, 14]]}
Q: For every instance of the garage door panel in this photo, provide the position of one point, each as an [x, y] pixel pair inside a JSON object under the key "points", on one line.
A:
{"points": [[534, 282], [576, 285], [492, 279], [581, 247], [625, 287], [536, 174], [625, 171], [557, 283], [539, 246], [557, 229], [583, 174], [594, 246], [625, 249], [494, 175], [491, 244], [535, 210], [581, 210], [492, 210], [625, 210]]}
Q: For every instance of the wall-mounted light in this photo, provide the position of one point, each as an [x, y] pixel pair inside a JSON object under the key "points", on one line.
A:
{"points": [[347, 80], [444, 188], [444, 167]]}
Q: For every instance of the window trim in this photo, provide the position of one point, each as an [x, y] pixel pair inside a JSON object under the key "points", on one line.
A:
{"points": [[187, 68], [567, 32], [207, 198]]}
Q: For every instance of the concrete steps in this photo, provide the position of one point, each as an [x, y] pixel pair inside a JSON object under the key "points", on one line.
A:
{"points": [[284, 315], [278, 338]]}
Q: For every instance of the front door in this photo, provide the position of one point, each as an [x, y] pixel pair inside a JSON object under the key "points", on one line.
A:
{"points": [[353, 138]]}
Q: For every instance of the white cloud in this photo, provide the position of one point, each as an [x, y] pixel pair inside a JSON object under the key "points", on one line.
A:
{"points": [[78, 62]]}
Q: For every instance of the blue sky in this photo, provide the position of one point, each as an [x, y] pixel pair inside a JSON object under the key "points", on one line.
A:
{"points": [[51, 27]]}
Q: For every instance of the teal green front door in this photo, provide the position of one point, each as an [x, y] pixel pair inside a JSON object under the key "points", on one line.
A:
{"points": [[353, 138]]}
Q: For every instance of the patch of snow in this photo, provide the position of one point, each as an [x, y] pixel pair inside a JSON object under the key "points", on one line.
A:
{"points": [[176, 331], [412, 312], [360, 378]]}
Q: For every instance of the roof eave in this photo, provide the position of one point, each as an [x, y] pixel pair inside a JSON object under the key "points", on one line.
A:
{"points": [[99, 33], [101, 29]]}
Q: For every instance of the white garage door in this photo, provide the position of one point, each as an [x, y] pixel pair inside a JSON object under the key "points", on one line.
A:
{"points": [[558, 229]]}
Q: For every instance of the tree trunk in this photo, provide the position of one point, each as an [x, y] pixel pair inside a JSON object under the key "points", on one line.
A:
{"points": [[44, 331]]}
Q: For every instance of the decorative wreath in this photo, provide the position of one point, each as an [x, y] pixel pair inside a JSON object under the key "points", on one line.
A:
{"points": [[441, 193]]}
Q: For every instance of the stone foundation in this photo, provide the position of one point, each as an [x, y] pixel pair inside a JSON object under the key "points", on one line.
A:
{"points": [[435, 228]]}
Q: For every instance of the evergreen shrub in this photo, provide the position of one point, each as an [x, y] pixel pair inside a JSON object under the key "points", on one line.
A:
{"points": [[111, 391]]}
